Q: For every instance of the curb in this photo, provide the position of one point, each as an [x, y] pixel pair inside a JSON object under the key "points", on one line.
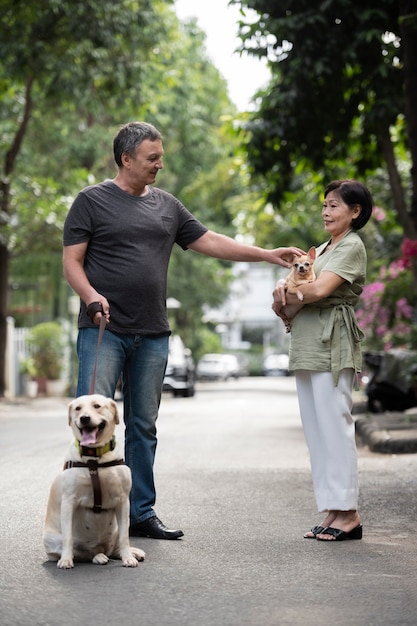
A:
{"points": [[388, 433]]}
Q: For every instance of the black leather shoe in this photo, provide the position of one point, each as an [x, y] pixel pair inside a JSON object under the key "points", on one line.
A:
{"points": [[155, 529]]}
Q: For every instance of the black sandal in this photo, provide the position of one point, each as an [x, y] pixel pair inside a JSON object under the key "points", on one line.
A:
{"points": [[341, 535], [317, 530]]}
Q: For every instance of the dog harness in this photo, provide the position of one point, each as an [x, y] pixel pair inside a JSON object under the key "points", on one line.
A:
{"points": [[93, 467]]}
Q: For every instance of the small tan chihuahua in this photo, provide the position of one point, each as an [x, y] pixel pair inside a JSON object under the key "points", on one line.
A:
{"points": [[302, 272]]}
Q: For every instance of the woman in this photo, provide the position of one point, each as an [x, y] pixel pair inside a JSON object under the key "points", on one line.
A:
{"points": [[325, 355]]}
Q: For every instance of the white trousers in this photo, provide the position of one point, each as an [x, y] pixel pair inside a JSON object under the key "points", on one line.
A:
{"points": [[329, 431]]}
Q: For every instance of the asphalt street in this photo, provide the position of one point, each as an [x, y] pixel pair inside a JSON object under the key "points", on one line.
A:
{"points": [[232, 471]]}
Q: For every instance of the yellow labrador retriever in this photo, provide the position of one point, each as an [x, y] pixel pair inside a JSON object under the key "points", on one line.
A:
{"points": [[87, 516]]}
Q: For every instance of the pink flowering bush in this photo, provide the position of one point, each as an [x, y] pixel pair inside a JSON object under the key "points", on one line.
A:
{"points": [[408, 253], [388, 306]]}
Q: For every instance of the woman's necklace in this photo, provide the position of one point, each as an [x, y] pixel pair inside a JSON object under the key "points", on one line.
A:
{"points": [[329, 246]]}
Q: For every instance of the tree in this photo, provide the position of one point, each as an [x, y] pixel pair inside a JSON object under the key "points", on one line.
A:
{"points": [[51, 55], [343, 91], [341, 103], [146, 66]]}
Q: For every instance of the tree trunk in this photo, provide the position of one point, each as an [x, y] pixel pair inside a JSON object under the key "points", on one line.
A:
{"points": [[397, 189], [9, 163], [408, 29]]}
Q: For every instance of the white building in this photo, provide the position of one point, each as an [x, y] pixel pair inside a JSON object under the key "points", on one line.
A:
{"points": [[249, 306]]}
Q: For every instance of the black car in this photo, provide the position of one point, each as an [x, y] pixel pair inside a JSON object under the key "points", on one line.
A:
{"points": [[180, 371]]}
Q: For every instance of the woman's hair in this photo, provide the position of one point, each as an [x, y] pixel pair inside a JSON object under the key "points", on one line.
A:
{"points": [[130, 136], [352, 192]]}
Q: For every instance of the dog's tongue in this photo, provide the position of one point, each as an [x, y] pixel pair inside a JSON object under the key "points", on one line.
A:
{"points": [[89, 437]]}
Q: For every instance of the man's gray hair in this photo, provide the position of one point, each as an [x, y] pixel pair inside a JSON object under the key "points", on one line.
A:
{"points": [[130, 136]]}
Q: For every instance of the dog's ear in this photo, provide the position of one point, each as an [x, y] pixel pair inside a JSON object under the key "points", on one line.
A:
{"points": [[312, 253], [115, 410], [69, 413]]}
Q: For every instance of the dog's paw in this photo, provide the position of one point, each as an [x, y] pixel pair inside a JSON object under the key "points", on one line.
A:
{"points": [[132, 557], [100, 559], [138, 553], [300, 296], [130, 561], [64, 563]]}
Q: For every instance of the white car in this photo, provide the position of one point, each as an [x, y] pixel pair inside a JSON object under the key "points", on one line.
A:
{"points": [[218, 367], [276, 365]]}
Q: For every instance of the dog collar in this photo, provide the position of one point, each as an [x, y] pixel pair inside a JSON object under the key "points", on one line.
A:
{"points": [[97, 452]]}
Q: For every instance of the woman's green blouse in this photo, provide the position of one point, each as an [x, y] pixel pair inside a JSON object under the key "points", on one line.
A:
{"points": [[325, 335]]}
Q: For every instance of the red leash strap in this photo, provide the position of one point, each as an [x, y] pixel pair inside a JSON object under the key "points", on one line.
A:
{"points": [[103, 323]]}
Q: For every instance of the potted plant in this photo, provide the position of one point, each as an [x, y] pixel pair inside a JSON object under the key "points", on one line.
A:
{"points": [[47, 344], [28, 371]]}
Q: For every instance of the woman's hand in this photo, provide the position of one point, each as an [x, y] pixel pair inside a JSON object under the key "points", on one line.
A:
{"points": [[279, 296], [279, 302], [280, 307]]}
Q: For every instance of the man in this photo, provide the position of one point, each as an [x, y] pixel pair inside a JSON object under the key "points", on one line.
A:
{"points": [[118, 238]]}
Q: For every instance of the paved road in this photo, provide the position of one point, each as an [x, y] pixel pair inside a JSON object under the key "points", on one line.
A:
{"points": [[232, 471]]}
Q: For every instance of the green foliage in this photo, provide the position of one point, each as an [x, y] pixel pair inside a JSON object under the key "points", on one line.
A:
{"points": [[336, 88], [206, 341], [39, 210], [142, 64], [71, 46], [332, 91], [339, 104], [28, 367], [197, 282]]}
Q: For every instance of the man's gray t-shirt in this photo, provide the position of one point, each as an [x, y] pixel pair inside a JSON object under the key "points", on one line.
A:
{"points": [[130, 240]]}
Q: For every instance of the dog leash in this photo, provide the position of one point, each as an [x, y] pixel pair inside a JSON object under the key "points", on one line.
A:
{"points": [[92, 464], [92, 309]]}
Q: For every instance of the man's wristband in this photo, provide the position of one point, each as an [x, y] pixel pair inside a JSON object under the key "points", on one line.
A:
{"points": [[93, 308]]}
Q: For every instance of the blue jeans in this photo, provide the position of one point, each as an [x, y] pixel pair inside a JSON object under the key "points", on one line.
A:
{"points": [[141, 362]]}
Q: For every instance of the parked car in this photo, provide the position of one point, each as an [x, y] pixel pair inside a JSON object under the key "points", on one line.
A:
{"points": [[220, 367], [276, 365], [243, 365], [180, 371]]}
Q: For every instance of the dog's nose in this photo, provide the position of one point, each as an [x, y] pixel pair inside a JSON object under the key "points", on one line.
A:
{"points": [[85, 419]]}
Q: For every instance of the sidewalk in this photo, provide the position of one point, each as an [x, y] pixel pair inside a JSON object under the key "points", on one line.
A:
{"points": [[387, 433], [22, 406]]}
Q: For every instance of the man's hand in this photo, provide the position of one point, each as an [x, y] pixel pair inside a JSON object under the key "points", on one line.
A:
{"points": [[285, 256], [97, 309]]}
